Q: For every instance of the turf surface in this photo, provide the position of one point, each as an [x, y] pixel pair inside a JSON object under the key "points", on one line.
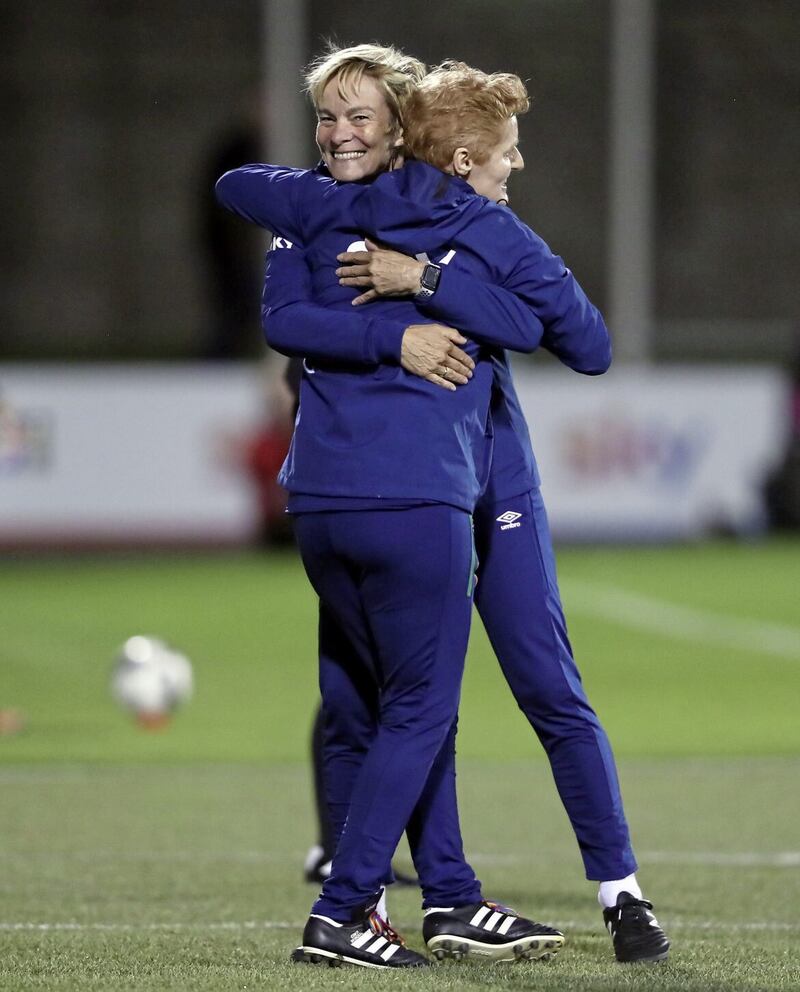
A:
{"points": [[172, 860]]}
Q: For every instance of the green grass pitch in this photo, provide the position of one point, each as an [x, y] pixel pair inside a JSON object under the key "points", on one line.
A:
{"points": [[171, 860]]}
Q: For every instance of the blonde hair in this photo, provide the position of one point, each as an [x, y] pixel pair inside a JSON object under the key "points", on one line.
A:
{"points": [[395, 73], [456, 106]]}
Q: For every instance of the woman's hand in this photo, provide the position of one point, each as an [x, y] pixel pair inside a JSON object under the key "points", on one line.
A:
{"points": [[384, 272], [431, 351]]}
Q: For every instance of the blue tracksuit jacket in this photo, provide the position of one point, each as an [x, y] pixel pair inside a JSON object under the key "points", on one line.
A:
{"points": [[494, 265]]}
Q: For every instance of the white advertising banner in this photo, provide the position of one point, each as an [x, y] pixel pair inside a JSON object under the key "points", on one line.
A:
{"points": [[125, 453], [107, 454], [648, 453]]}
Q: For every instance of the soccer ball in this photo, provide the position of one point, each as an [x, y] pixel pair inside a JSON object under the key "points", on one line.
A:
{"points": [[151, 679]]}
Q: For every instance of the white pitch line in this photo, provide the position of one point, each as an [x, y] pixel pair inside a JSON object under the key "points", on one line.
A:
{"points": [[738, 859], [685, 623], [155, 857], [710, 859]]}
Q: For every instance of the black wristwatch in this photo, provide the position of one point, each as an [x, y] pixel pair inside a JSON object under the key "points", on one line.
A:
{"points": [[428, 281]]}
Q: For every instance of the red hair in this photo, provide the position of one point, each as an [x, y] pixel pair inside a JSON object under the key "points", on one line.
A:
{"points": [[456, 106]]}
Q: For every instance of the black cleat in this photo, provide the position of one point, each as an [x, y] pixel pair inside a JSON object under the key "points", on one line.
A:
{"points": [[487, 930], [368, 942], [635, 931]]}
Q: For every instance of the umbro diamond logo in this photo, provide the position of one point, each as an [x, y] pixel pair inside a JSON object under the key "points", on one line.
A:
{"points": [[509, 520], [280, 243]]}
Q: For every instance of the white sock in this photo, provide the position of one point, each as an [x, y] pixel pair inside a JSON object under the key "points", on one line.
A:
{"points": [[381, 909], [607, 896], [315, 852]]}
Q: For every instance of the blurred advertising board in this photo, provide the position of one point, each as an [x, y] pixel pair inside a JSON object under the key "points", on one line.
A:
{"points": [[647, 453], [125, 453], [142, 454]]}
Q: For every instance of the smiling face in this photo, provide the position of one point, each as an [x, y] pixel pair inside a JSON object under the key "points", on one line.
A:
{"points": [[490, 179], [356, 131]]}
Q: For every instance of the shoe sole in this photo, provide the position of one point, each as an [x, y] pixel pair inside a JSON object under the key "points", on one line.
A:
{"points": [[315, 955], [524, 949]]}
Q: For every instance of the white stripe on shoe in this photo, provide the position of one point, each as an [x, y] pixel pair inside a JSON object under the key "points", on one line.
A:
{"points": [[363, 938], [505, 926], [492, 922], [376, 945], [481, 915], [390, 950]]}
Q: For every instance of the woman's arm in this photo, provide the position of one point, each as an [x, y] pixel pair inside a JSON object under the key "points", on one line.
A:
{"points": [[267, 195], [574, 329], [271, 196], [295, 326], [489, 314], [538, 302]]}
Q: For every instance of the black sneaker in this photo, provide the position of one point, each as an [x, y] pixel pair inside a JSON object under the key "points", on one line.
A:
{"points": [[635, 931], [369, 942], [489, 931]]}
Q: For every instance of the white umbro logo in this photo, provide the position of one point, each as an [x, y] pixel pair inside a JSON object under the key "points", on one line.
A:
{"points": [[280, 243], [508, 520]]}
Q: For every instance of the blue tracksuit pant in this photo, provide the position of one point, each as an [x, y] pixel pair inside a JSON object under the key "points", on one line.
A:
{"points": [[518, 601], [395, 589]]}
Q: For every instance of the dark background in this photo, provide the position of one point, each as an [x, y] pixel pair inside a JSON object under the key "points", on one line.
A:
{"points": [[114, 114]]}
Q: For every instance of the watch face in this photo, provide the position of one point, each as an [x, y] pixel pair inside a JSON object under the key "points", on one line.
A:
{"points": [[430, 277]]}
